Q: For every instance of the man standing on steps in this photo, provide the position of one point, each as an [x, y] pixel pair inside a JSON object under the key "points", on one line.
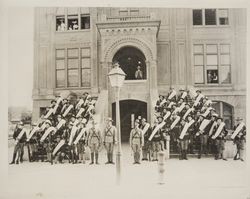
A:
{"points": [[145, 127], [110, 139], [136, 142], [94, 142]]}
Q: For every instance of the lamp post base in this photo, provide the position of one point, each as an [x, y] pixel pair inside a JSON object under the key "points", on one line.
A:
{"points": [[118, 168]]}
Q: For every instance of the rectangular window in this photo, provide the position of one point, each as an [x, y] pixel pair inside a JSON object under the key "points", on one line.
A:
{"points": [[73, 67], [60, 68], [214, 61], [223, 16], [210, 16], [60, 23], [197, 17], [123, 12], [73, 22], [134, 12], [85, 22]]}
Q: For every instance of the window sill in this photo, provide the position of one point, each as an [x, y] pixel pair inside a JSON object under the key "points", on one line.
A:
{"points": [[73, 88], [211, 26], [222, 86], [73, 31], [135, 81]]}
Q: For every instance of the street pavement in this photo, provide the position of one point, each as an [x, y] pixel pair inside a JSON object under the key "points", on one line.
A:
{"points": [[194, 178]]}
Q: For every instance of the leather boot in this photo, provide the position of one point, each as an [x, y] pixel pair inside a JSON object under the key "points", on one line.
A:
{"points": [[96, 158], [92, 158], [13, 159]]}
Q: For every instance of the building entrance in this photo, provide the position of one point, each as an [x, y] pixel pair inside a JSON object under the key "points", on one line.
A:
{"points": [[129, 111]]}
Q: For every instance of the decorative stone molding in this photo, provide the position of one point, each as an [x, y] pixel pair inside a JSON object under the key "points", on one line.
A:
{"points": [[113, 46]]}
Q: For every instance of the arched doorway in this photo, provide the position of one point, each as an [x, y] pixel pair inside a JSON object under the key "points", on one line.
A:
{"points": [[129, 111], [130, 59]]}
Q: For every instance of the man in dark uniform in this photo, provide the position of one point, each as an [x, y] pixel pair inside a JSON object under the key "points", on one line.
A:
{"points": [[220, 140], [19, 137], [183, 141], [156, 140], [147, 133], [199, 135], [240, 140]]}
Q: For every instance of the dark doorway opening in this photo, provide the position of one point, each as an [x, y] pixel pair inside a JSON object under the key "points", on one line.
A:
{"points": [[130, 59], [129, 111]]}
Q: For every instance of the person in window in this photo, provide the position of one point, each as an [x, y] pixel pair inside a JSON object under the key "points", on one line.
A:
{"points": [[215, 78], [70, 27], [209, 77], [75, 26], [138, 73]]}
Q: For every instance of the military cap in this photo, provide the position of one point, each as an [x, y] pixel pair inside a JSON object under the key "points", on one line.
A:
{"points": [[219, 118], [109, 119], [144, 119], [52, 101], [198, 91], [238, 119], [84, 121], [34, 124], [181, 89], [79, 116], [215, 115], [71, 123], [20, 123], [159, 117]]}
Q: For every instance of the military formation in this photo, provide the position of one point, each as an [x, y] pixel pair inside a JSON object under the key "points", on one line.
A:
{"points": [[67, 129]]}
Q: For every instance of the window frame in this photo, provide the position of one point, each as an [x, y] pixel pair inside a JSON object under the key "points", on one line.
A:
{"points": [[219, 65], [79, 17], [217, 18], [79, 69]]}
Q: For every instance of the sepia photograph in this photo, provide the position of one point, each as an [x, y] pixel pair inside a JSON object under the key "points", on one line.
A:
{"points": [[126, 102]]}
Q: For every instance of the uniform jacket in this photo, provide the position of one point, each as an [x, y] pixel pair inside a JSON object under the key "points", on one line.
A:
{"points": [[110, 134], [94, 133]]}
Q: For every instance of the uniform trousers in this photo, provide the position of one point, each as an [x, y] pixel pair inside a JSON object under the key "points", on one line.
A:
{"points": [[109, 146], [81, 151], [156, 147], [137, 152], [220, 147], [145, 150], [203, 144]]}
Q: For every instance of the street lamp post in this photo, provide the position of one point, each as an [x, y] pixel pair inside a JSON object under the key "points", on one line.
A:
{"points": [[116, 77]]}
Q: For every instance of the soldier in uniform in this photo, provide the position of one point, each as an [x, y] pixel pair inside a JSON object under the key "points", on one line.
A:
{"points": [[183, 141], [146, 146], [47, 143], [136, 142], [110, 140], [156, 140], [32, 145], [220, 141], [94, 142], [19, 142], [240, 141], [81, 144]]}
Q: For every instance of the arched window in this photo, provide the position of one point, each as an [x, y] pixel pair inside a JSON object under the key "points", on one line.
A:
{"points": [[132, 62], [225, 110]]}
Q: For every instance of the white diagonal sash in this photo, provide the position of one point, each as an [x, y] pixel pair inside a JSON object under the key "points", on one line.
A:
{"points": [[187, 113], [20, 135], [76, 122], [80, 112], [212, 129], [237, 130], [207, 111], [159, 126], [35, 129], [59, 145], [208, 102], [172, 94], [199, 97], [170, 104], [80, 135], [67, 110], [163, 101], [218, 131], [166, 115], [186, 127], [59, 100], [60, 124], [79, 104], [72, 134], [203, 125], [55, 108], [184, 94], [43, 126], [47, 132], [180, 108], [144, 130], [51, 110], [177, 119]]}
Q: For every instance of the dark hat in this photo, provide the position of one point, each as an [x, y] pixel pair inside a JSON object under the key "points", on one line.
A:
{"points": [[238, 119], [219, 118], [215, 115], [20, 123], [137, 121], [52, 101], [181, 89], [198, 91], [160, 117], [144, 119]]}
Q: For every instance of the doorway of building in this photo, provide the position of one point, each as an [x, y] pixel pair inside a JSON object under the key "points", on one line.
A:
{"points": [[129, 111]]}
